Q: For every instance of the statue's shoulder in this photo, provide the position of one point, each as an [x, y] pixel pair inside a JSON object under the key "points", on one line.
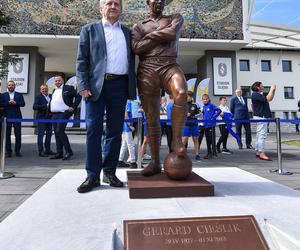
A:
{"points": [[177, 16], [140, 24], [173, 16]]}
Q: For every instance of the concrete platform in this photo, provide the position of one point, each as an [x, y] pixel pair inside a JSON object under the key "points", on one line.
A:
{"points": [[57, 217]]}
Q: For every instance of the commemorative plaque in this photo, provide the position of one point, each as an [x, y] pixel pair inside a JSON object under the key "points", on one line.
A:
{"points": [[160, 186], [209, 233]]}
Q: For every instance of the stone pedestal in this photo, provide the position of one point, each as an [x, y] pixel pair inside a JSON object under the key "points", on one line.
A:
{"points": [[160, 186]]}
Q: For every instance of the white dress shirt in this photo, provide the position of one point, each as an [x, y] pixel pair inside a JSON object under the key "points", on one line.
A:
{"points": [[11, 95], [241, 100], [57, 102], [116, 48], [47, 99]]}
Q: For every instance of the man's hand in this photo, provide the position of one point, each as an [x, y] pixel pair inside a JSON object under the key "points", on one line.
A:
{"points": [[273, 87], [12, 102], [85, 93]]}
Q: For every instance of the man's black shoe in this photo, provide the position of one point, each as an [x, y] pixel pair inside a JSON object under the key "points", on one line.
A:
{"points": [[57, 156], [240, 146], [122, 164], [18, 154], [8, 155], [67, 156], [112, 180], [133, 165], [88, 185], [50, 153], [42, 154], [250, 146], [208, 157]]}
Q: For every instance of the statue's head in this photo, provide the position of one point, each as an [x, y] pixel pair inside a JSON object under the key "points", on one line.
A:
{"points": [[156, 6]]}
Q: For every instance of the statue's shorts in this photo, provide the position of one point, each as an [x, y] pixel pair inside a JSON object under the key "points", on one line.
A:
{"points": [[155, 73]]}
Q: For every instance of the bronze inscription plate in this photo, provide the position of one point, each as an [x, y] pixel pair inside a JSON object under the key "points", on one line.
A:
{"points": [[209, 233]]}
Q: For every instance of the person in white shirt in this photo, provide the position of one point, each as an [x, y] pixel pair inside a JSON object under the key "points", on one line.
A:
{"points": [[62, 106], [222, 126], [106, 78]]}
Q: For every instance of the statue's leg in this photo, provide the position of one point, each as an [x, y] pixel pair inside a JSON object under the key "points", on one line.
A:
{"points": [[178, 88], [151, 104]]}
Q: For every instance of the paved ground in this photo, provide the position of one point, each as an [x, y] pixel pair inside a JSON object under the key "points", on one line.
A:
{"points": [[32, 171]]}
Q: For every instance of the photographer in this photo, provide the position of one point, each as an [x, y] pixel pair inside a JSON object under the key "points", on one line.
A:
{"points": [[261, 111]]}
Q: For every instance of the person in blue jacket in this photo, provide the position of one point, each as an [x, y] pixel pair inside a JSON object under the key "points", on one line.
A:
{"points": [[210, 113]]}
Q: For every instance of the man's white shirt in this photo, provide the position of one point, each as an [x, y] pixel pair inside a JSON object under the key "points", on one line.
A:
{"points": [[57, 102], [116, 48]]}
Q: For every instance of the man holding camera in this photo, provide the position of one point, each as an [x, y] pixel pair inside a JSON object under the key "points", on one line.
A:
{"points": [[261, 111]]}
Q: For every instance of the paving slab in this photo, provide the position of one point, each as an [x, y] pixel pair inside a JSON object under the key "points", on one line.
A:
{"points": [[57, 217]]}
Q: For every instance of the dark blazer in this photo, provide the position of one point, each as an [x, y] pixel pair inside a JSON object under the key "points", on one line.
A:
{"points": [[40, 105], [1, 108], [12, 111], [70, 97], [92, 59], [239, 111]]}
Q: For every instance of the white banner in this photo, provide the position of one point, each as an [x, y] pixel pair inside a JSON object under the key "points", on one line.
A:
{"points": [[19, 73], [222, 76]]}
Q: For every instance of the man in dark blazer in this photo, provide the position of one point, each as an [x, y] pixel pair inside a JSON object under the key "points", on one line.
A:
{"points": [[106, 79], [41, 106], [239, 109], [63, 104], [12, 102]]}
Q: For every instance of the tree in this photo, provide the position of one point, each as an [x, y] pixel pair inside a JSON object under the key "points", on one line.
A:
{"points": [[5, 58]]}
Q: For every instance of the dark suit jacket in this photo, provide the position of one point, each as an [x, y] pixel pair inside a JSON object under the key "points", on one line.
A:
{"points": [[239, 111], [40, 105], [70, 97], [12, 111], [1, 108], [92, 57]]}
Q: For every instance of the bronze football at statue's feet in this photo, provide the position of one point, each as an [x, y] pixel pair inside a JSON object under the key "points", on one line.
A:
{"points": [[151, 169], [179, 148]]}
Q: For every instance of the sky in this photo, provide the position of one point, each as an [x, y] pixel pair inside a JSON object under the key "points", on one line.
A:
{"points": [[285, 12]]}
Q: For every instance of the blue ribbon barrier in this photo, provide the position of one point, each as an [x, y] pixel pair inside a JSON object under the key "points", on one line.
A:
{"points": [[161, 121], [228, 121]]}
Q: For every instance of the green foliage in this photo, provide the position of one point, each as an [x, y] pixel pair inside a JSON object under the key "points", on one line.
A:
{"points": [[5, 58], [4, 20]]}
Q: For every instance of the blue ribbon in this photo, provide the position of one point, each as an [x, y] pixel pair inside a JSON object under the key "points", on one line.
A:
{"points": [[228, 121]]}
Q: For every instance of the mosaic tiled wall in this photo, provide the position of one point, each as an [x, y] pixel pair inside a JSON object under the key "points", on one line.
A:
{"points": [[208, 19]]}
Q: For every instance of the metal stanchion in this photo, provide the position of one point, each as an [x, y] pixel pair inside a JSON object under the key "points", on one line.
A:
{"points": [[280, 170], [139, 140], [3, 174]]}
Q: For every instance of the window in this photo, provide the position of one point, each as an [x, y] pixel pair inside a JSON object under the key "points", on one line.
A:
{"points": [[266, 90], [265, 65], [286, 115], [244, 65], [294, 115], [286, 66], [246, 91], [289, 92]]}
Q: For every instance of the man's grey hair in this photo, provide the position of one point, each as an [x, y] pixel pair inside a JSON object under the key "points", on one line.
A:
{"points": [[102, 2]]}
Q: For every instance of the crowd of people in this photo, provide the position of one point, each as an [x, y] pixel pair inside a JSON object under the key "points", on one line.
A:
{"points": [[60, 105], [64, 100]]}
